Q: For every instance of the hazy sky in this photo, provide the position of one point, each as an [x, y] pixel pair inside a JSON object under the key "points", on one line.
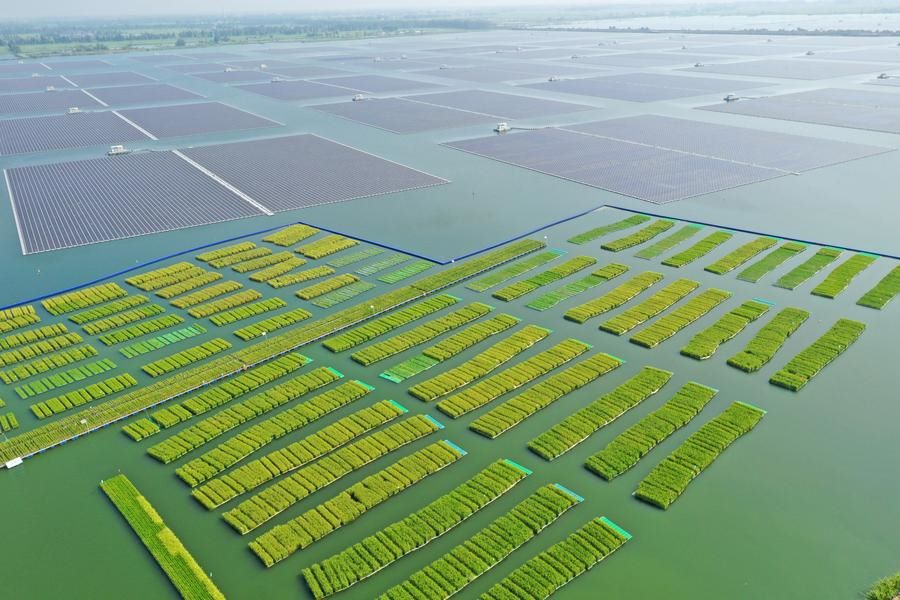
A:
{"points": [[19, 9]]}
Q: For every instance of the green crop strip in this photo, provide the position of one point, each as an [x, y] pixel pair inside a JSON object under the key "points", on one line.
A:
{"points": [[60, 379], [31, 336], [639, 237], [401, 538], [343, 294], [577, 427], [17, 317], [351, 259], [807, 364], [38, 348], [561, 271], [8, 422], [630, 446], [226, 251], [514, 270], [385, 263], [123, 318], [650, 307], [670, 241], [47, 362], [108, 310], [291, 235], [737, 257], [771, 261], [673, 322], [406, 271], [566, 291], [815, 263], [77, 300], [323, 287], [841, 276], [125, 334], [186, 575], [273, 323], [326, 246], [224, 303], [300, 276], [887, 588], [883, 292], [278, 269], [193, 283], [769, 340], [145, 346], [698, 250], [187, 357], [705, 343], [79, 397], [614, 298], [157, 278], [671, 477], [351, 504], [207, 293], [245, 312], [593, 234], [540, 577], [255, 264], [510, 413], [459, 567]]}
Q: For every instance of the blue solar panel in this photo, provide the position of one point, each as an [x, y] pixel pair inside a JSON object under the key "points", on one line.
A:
{"points": [[403, 116], [152, 93], [33, 84], [296, 90], [36, 134], [111, 78], [45, 102], [377, 84], [193, 119]]}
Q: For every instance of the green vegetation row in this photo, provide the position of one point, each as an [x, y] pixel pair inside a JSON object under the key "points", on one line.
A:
{"points": [[148, 279], [841, 276], [560, 271], [887, 588], [821, 259], [107, 310], [185, 357], [186, 575], [125, 334], [272, 501], [601, 275], [161, 341], [698, 250], [250, 476], [452, 572], [326, 246], [226, 251], [86, 421], [650, 307], [17, 317], [512, 378], [385, 263], [207, 293], [883, 292], [644, 234], [479, 365], [541, 576], [737, 257], [769, 340], [807, 364], [176, 289], [255, 264], [417, 335], [771, 261], [224, 303], [671, 477], [8, 422], [245, 312], [580, 425], [670, 241], [273, 323], [278, 269], [321, 288], [450, 347], [598, 232], [59, 379], [355, 257], [79, 397], [239, 257], [342, 294], [123, 318], [300, 276], [29, 336], [510, 413], [705, 343], [406, 271], [79, 299], [290, 235], [514, 270], [313, 525], [670, 324], [630, 446], [39, 348], [375, 552], [47, 362], [613, 298], [233, 450]]}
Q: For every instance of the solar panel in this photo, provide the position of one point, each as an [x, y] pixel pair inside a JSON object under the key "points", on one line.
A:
{"points": [[45, 102], [894, 82], [33, 84], [152, 93], [403, 116], [639, 59], [37, 134], [156, 59], [195, 67], [12, 67], [790, 68], [296, 90], [763, 49], [67, 65], [377, 84], [644, 172], [260, 63], [305, 170], [891, 55], [210, 55], [62, 205], [307, 71], [751, 146], [489, 48], [642, 87], [193, 119], [509, 106], [233, 76], [113, 78], [397, 65]]}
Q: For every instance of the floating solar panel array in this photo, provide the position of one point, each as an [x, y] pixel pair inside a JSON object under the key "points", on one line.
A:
{"points": [[296, 90], [234, 76], [403, 116], [195, 67], [858, 109], [70, 204], [73, 65], [750, 50], [193, 119], [508, 106], [790, 68], [157, 59], [10, 67], [152, 93], [306, 72], [305, 170], [889, 55], [45, 102], [642, 59], [269, 65], [378, 84], [33, 84], [642, 87], [37, 134], [110, 78]]}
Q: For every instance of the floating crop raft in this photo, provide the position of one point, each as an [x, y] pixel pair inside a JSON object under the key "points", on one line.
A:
{"points": [[593, 234], [839, 278], [769, 340], [698, 250], [639, 237], [806, 365], [705, 343], [883, 292], [821, 259], [560, 271], [601, 275]]}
